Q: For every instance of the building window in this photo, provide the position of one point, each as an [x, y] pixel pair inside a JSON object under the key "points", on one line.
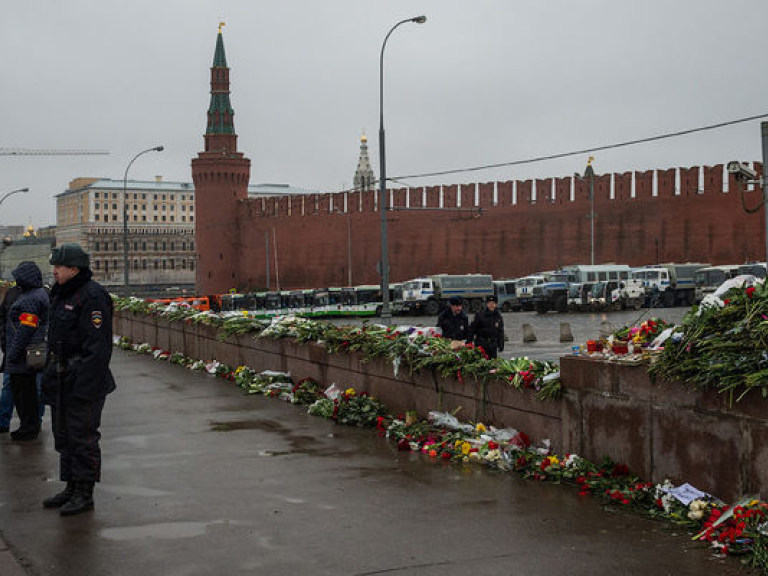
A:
{"points": [[135, 197], [164, 245], [135, 246], [135, 264], [192, 265], [163, 217], [154, 196], [172, 266], [155, 246], [114, 195], [164, 265], [157, 265], [144, 246], [143, 218], [184, 208], [143, 264], [173, 207], [96, 217], [172, 219], [163, 208], [96, 246], [115, 245], [184, 264], [173, 246], [95, 194], [183, 218], [98, 264], [163, 197], [106, 266], [106, 217], [192, 246], [154, 219], [96, 205], [114, 206], [143, 196], [135, 217]]}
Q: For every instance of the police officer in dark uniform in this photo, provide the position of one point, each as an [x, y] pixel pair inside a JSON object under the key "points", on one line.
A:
{"points": [[453, 322], [77, 378], [488, 328]]}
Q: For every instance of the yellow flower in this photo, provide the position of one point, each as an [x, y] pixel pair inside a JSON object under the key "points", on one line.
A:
{"points": [[350, 392], [553, 460], [480, 427], [465, 448]]}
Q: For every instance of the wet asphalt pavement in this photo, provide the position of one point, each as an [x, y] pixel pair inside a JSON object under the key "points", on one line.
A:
{"points": [[200, 479]]}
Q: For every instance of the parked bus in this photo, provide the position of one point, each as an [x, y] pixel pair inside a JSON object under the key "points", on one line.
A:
{"points": [[709, 279]]}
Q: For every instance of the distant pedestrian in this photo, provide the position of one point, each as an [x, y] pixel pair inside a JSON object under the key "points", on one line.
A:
{"points": [[26, 324], [6, 395], [77, 378], [453, 321], [487, 328]]}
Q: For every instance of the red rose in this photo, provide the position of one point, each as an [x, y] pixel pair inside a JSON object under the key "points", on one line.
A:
{"points": [[403, 445], [492, 445]]}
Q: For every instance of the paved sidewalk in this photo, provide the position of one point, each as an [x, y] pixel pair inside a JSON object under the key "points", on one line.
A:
{"points": [[199, 479]]}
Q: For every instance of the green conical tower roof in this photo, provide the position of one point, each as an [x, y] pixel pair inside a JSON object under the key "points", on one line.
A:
{"points": [[219, 57], [220, 112]]}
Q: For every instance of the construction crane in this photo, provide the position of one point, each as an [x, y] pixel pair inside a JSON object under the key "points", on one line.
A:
{"points": [[36, 152]]}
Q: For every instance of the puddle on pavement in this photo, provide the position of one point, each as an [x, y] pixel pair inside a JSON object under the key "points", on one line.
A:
{"points": [[308, 445], [168, 530], [124, 490], [267, 425]]}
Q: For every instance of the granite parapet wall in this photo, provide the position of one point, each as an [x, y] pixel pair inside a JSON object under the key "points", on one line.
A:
{"points": [[663, 430], [659, 430]]}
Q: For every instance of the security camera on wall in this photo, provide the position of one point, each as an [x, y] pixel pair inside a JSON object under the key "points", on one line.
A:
{"points": [[742, 171]]}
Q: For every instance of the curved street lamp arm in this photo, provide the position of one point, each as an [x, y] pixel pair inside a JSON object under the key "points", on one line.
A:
{"points": [[11, 193]]}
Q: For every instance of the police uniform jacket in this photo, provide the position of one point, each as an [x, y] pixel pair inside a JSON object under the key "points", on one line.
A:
{"points": [[27, 318], [453, 326], [488, 329], [79, 340]]}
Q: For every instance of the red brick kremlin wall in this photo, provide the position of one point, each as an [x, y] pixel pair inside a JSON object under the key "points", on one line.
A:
{"points": [[685, 214]]}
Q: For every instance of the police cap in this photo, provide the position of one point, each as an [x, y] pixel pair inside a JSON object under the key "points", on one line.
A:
{"points": [[455, 301], [492, 299], [70, 254]]}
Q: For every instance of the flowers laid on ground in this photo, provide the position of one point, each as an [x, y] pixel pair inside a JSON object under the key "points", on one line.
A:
{"points": [[407, 347]]}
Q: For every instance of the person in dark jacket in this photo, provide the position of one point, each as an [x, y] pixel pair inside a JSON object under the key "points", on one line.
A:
{"points": [[488, 328], [77, 377], [6, 396], [453, 321], [26, 324]]}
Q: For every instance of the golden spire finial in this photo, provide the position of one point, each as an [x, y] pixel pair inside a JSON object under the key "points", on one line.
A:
{"points": [[363, 138], [221, 25], [591, 159]]}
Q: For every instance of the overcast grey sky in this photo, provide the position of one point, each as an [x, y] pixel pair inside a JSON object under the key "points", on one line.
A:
{"points": [[481, 82]]}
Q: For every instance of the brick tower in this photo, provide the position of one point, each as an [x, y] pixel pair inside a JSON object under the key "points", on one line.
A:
{"points": [[220, 174]]}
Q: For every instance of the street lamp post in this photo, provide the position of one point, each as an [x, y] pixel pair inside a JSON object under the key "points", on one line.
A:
{"points": [[126, 280], [589, 173], [386, 312], [764, 134], [7, 241], [11, 193]]}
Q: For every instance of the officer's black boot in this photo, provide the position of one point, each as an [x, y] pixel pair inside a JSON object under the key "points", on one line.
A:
{"points": [[81, 501], [61, 498]]}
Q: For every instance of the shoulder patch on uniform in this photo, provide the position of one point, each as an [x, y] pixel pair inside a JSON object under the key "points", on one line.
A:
{"points": [[28, 319], [97, 318]]}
